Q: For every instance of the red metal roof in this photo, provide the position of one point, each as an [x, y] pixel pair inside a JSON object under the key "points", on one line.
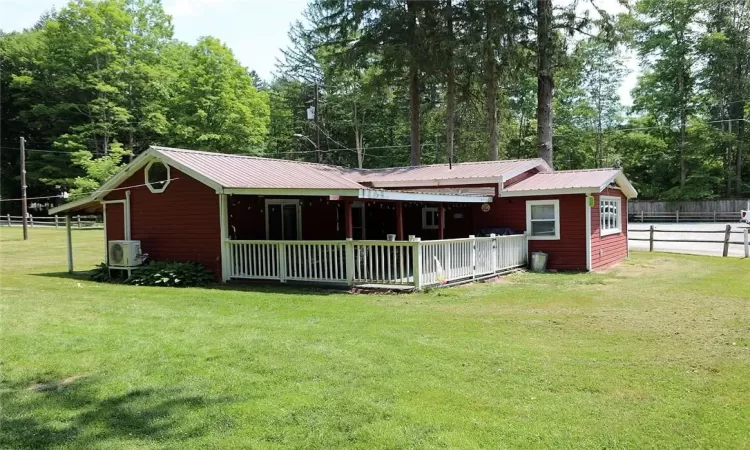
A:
{"points": [[485, 169], [241, 171], [565, 179]]}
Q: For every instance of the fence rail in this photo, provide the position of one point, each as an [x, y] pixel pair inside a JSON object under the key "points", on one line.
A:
{"points": [[681, 216], [408, 263], [51, 221], [726, 241]]}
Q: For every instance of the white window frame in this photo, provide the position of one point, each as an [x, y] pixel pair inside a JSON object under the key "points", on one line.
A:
{"points": [[284, 201], [148, 183], [618, 203], [431, 209], [556, 204]]}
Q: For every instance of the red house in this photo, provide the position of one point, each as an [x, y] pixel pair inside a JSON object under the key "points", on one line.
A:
{"points": [[246, 217]]}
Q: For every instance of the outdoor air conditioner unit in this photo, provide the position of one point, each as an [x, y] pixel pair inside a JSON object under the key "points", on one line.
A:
{"points": [[125, 253]]}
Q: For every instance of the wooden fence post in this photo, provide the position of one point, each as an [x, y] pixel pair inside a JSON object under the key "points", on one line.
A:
{"points": [[747, 243], [9, 222], [677, 216], [473, 255], [31, 221], [349, 258], [55, 220], [651, 239], [727, 234], [641, 216], [714, 216], [281, 249], [79, 221], [416, 258]]}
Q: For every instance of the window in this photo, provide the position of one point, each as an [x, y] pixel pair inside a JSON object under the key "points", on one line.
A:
{"points": [[157, 176], [283, 221], [543, 219], [610, 217], [430, 217]]}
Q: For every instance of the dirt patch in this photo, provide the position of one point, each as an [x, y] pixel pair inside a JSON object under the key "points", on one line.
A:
{"points": [[55, 385]]}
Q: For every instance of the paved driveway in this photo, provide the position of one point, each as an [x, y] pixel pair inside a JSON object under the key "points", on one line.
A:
{"points": [[640, 230]]}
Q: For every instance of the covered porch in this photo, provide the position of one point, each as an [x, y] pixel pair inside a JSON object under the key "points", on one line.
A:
{"points": [[400, 239]]}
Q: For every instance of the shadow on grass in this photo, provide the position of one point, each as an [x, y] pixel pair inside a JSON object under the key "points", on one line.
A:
{"points": [[76, 415], [259, 286]]}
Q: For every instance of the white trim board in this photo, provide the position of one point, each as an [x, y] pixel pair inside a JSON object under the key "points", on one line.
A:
{"points": [[374, 194], [589, 263]]}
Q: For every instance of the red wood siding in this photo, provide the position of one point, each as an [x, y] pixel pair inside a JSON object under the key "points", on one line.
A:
{"points": [[567, 253], [115, 221], [180, 224], [613, 248]]}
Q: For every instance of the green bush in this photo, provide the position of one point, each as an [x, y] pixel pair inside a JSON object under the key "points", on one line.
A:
{"points": [[100, 273], [176, 274]]}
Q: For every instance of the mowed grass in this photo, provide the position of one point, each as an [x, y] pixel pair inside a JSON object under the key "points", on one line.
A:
{"points": [[655, 353]]}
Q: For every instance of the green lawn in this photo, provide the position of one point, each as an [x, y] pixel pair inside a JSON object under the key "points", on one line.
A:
{"points": [[655, 353]]}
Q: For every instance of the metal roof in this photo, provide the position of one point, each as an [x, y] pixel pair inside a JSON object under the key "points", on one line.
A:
{"points": [[248, 172], [432, 174], [589, 180]]}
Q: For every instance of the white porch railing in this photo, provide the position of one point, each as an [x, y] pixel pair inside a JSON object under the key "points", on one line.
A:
{"points": [[411, 263]]}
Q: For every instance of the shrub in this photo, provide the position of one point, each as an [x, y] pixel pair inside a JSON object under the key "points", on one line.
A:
{"points": [[176, 274], [100, 273]]}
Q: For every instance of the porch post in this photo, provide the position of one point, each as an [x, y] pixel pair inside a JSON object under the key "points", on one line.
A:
{"points": [[399, 221], [348, 219], [441, 222], [224, 235], [69, 233]]}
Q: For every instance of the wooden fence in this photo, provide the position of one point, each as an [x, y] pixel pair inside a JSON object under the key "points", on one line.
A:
{"points": [[52, 221], [691, 211], [726, 241]]}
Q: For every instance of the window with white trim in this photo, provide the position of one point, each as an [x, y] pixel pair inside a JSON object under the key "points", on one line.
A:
{"points": [[543, 219], [430, 217], [610, 215], [157, 176]]}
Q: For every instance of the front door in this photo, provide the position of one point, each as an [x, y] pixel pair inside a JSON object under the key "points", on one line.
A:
{"points": [[283, 221], [358, 221]]}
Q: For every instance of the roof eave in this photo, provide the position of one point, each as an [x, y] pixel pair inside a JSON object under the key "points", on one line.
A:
{"points": [[433, 182], [375, 194]]}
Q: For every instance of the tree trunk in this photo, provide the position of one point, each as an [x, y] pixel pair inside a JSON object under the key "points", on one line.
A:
{"points": [[544, 80], [740, 151], [599, 112], [491, 83], [450, 116], [411, 7], [358, 139], [683, 124]]}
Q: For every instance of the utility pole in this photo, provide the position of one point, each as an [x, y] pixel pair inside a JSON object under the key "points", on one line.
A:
{"points": [[318, 156], [24, 207]]}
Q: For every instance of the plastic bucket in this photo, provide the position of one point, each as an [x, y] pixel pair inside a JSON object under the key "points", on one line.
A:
{"points": [[538, 262]]}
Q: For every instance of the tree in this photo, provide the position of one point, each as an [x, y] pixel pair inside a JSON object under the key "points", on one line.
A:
{"points": [[666, 38], [98, 170], [601, 74], [725, 75], [216, 107]]}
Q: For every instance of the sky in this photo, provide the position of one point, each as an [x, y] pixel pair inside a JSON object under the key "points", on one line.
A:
{"points": [[255, 30]]}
